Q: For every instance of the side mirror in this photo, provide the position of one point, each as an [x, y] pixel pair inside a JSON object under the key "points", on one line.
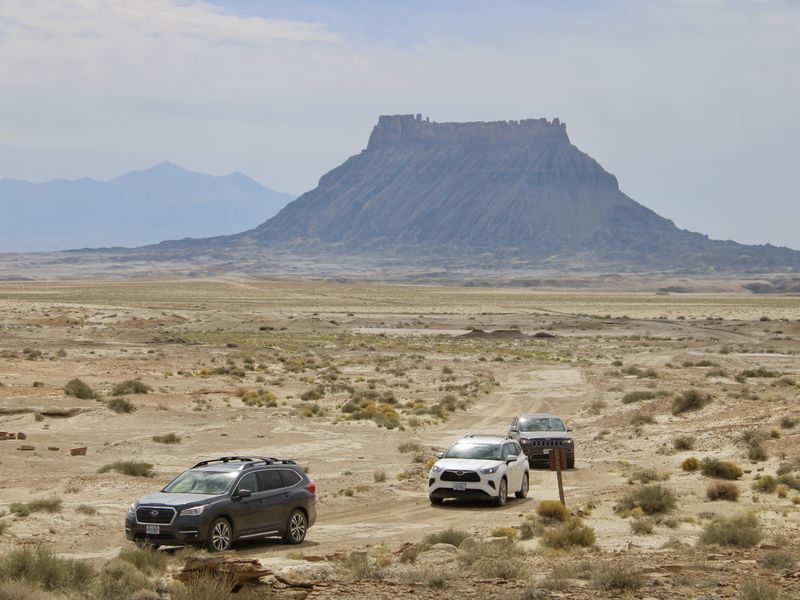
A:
{"points": [[569, 427], [244, 493], [513, 430], [440, 455], [511, 458]]}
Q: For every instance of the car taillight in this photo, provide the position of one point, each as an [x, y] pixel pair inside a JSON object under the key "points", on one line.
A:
{"points": [[312, 487]]}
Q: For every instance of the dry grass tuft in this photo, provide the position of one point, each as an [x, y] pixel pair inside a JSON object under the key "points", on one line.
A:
{"points": [[722, 490]]}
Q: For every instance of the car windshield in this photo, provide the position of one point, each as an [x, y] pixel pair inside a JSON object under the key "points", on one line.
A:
{"points": [[474, 450], [541, 424], [201, 482]]}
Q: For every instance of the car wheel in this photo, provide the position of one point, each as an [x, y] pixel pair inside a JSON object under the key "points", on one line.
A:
{"points": [[571, 461], [220, 535], [296, 528], [523, 491], [435, 500], [502, 493]]}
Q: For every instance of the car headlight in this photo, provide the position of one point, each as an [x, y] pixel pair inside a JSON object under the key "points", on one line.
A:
{"points": [[435, 469], [524, 441], [568, 442], [193, 512], [132, 508], [489, 470]]}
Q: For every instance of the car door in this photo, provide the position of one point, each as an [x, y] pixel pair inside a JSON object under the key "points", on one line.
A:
{"points": [[522, 461], [246, 510], [512, 471], [274, 499]]}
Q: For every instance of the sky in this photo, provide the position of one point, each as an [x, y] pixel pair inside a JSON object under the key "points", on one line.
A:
{"points": [[692, 104]]}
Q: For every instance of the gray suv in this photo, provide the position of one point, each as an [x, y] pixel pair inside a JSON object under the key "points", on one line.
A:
{"points": [[538, 433], [225, 499]]}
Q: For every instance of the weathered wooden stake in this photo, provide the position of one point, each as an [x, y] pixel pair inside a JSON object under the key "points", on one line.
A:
{"points": [[558, 458]]}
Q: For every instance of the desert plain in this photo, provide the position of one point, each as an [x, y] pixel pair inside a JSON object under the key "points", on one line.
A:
{"points": [[363, 383]]}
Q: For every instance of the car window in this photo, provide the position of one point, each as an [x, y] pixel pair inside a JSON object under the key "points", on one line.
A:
{"points": [[505, 453], [248, 482], [269, 480], [290, 478], [515, 449], [478, 450], [201, 482]]}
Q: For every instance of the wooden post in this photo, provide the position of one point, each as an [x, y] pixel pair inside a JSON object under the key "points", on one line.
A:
{"points": [[558, 460]]}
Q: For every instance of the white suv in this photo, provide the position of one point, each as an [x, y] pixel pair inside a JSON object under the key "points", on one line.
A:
{"points": [[479, 466]]}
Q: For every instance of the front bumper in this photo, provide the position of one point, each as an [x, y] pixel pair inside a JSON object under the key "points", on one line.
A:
{"points": [[540, 455], [182, 531], [485, 488]]}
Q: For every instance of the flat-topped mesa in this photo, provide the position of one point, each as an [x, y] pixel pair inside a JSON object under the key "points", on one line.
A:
{"points": [[399, 128]]}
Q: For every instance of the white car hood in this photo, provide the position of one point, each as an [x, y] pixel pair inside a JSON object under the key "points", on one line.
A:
{"points": [[466, 464]]}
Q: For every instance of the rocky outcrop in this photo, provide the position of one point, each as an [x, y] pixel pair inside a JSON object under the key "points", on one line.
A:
{"points": [[505, 189]]}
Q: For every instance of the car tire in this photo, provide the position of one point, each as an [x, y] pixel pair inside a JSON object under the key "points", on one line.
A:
{"points": [[502, 493], [523, 491], [436, 501], [220, 535], [296, 528]]}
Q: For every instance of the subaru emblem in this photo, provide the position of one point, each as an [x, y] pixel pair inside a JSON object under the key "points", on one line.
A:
{"points": [[459, 473], [153, 513]]}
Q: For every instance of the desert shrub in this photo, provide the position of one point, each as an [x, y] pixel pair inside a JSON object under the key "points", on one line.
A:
{"points": [[722, 490], [506, 532], [410, 447], [79, 389], [451, 536], [569, 534], [552, 510], [202, 587], [20, 590], [119, 580], [38, 565], [641, 526], [651, 499], [86, 509], [147, 560], [3, 527], [167, 438], [742, 531], [122, 406], [649, 475], [360, 566], [756, 452], [788, 422], [637, 396], [790, 481], [640, 373], [765, 483], [133, 468], [690, 464], [721, 469], [642, 419], [683, 442], [49, 505], [778, 560], [131, 386], [617, 578], [494, 560], [760, 372], [379, 476], [753, 589], [688, 401]]}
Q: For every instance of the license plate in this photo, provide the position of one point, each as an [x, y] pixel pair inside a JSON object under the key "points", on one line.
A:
{"points": [[546, 450], [152, 529], [459, 487]]}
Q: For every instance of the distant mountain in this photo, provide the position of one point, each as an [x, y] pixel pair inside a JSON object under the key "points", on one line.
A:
{"points": [[479, 192], [141, 207]]}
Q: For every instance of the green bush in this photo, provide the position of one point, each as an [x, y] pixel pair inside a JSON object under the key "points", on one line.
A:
{"points": [[688, 401], [742, 531], [120, 405], [721, 469], [129, 467], [79, 389], [37, 565], [131, 386], [651, 499], [569, 534]]}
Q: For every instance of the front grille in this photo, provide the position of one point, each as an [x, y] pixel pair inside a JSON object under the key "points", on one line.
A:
{"points": [[470, 476], [155, 515], [544, 443]]}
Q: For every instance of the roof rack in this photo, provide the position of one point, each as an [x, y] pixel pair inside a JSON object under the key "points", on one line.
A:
{"points": [[249, 461]]}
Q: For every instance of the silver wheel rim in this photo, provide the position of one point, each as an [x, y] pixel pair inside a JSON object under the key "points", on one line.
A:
{"points": [[221, 536], [503, 490], [297, 527]]}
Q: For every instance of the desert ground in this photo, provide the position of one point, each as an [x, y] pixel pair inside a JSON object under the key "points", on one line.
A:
{"points": [[362, 384]]}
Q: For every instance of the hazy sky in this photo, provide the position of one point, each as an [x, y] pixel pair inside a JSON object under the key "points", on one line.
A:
{"points": [[693, 104]]}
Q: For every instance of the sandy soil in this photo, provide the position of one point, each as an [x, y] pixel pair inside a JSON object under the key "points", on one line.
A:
{"points": [[197, 343]]}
